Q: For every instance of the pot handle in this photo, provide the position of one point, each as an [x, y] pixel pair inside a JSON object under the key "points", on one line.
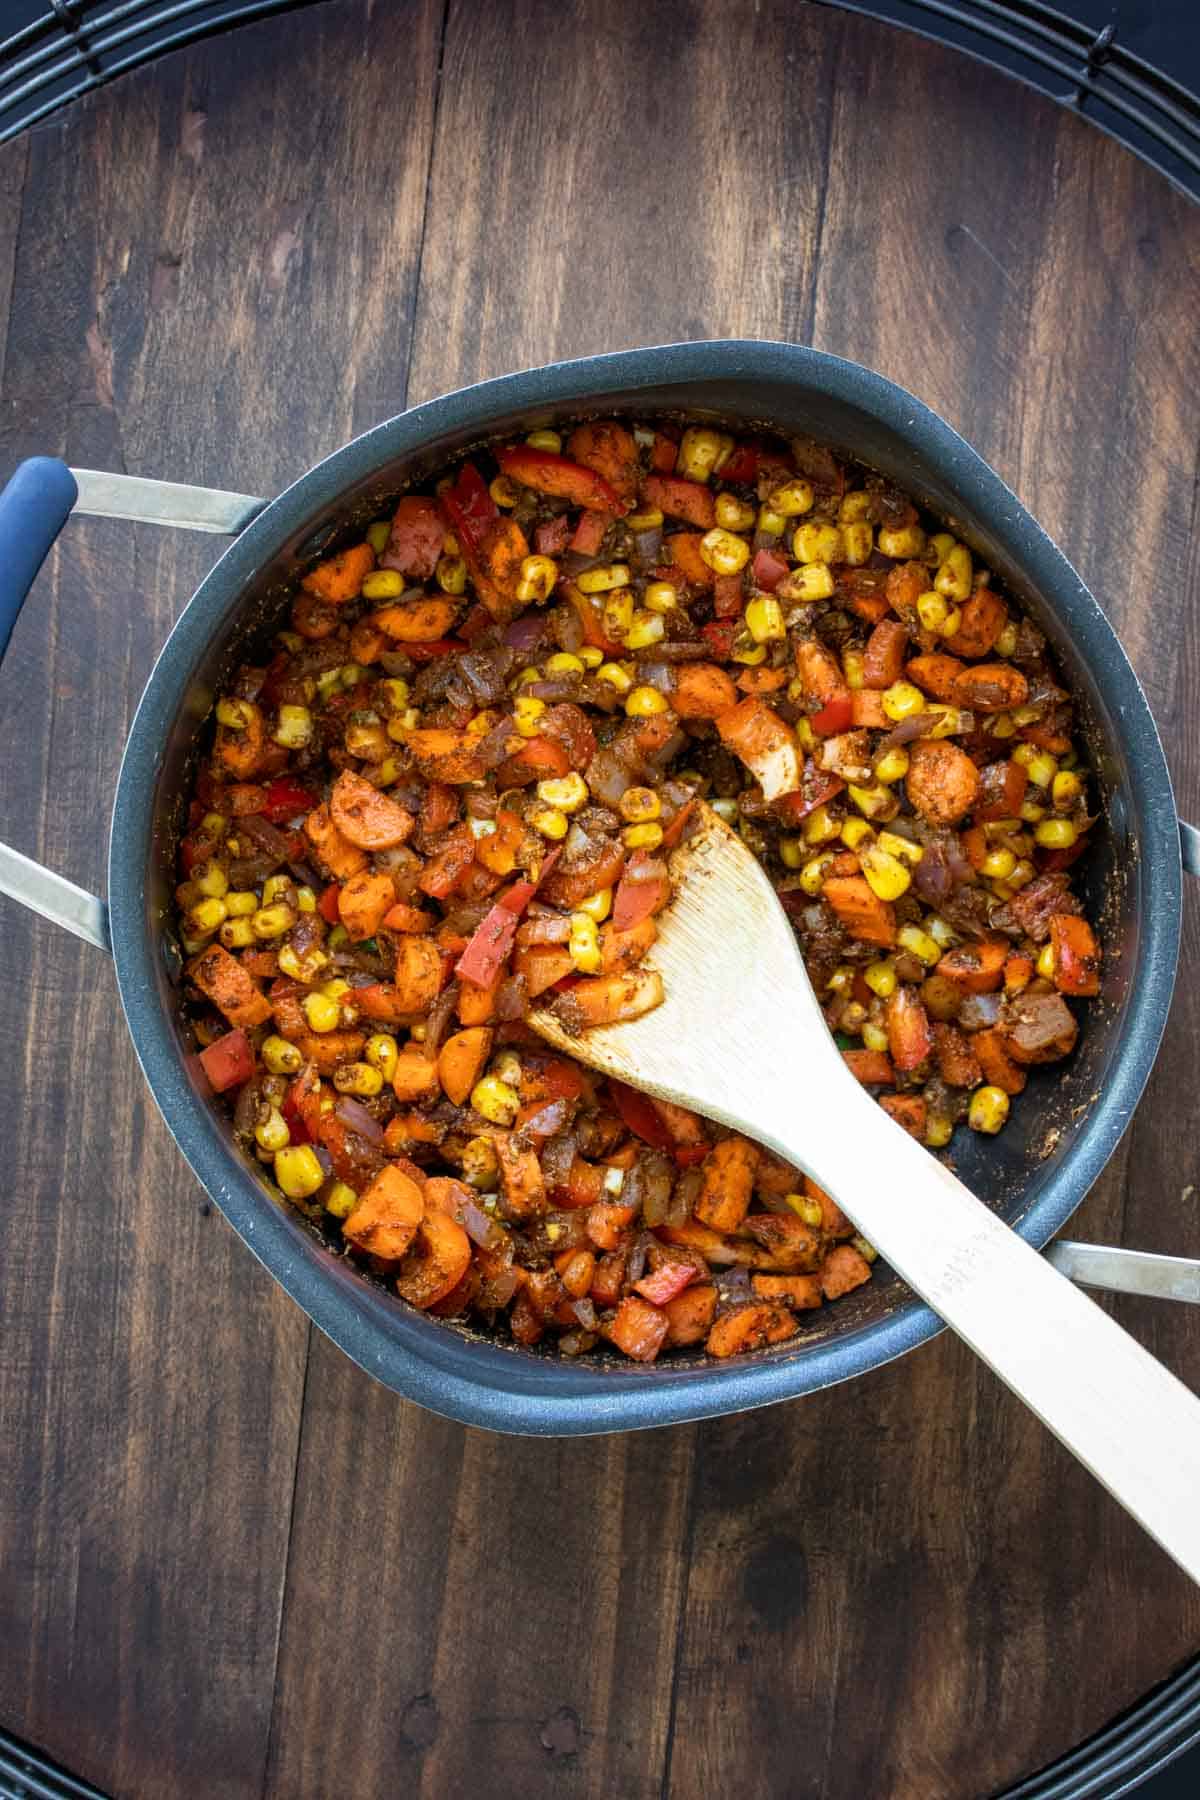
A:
{"points": [[1189, 846], [34, 507]]}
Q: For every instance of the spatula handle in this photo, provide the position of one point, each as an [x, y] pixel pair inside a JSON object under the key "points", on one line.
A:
{"points": [[1124, 1415]]}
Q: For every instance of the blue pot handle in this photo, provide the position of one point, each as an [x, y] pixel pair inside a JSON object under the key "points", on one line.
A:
{"points": [[34, 507]]}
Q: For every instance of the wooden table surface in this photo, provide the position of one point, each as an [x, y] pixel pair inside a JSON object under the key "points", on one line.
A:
{"points": [[230, 1564]]}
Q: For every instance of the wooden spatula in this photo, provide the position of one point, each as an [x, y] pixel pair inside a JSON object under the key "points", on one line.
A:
{"points": [[740, 1038]]}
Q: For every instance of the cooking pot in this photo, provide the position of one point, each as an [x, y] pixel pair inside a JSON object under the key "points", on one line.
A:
{"points": [[1070, 1118]]}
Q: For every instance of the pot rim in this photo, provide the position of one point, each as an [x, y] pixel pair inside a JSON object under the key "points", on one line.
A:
{"points": [[493, 1385]]}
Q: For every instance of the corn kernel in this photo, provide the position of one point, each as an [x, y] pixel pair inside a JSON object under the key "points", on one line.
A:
{"points": [[842, 980], [322, 1012], [537, 578], [583, 945], [853, 1016], [291, 641], [295, 727], [805, 1208], [903, 847], [639, 804], [855, 832], [504, 491], [902, 542], [998, 865], [820, 826], [865, 1248], [563, 662], [590, 656], [853, 668], [382, 1052], [302, 968], [733, 514], [806, 737], [724, 552], [951, 720], [618, 613], [918, 943], [236, 934], [932, 610], [746, 651], [450, 543], [886, 875], [642, 837], [480, 1168], [811, 581], [892, 765], [213, 823], [281, 1057], [549, 821], [854, 506], [902, 700], [988, 1109], [545, 440], [649, 520], [338, 938], [1031, 812], [211, 880], [770, 522], [1022, 875], [791, 499], [616, 677], [645, 628], [598, 905], [764, 619], [604, 579], [643, 702], [791, 852], [358, 1078], [701, 451], [1055, 834], [1041, 767], [660, 597], [341, 1200], [527, 711], [812, 875], [378, 535], [815, 543], [873, 802], [328, 682], [495, 1100], [273, 1133], [858, 541], [940, 931], [451, 573], [880, 977], [954, 576], [1006, 643], [383, 584], [938, 1131], [306, 900], [940, 545], [953, 621], [298, 1172], [1066, 788], [241, 903], [1047, 965], [567, 792], [207, 915], [235, 715], [874, 1037], [1000, 725]]}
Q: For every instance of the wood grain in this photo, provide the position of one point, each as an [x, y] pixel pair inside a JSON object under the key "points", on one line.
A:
{"points": [[902, 1588]]}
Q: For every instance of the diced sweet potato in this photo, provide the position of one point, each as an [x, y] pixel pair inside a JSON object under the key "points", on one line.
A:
{"points": [[541, 966], [1001, 791], [750, 1328], [702, 690], [335, 853], [363, 903], [686, 1127], [866, 710], [991, 687], [909, 1110], [222, 978], [416, 1076], [977, 968], [608, 448], [400, 916], [942, 781], [844, 1269], [327, 1050], [1037, 1028], [935, 674], [883, 659], [997, 1066], [1076, 955], [682, 499], [461, 1061], [609, 999], [784, 1243], [340, 577], [909, 1039], [768, 747], [476, 1005], [690, 1314], [820, 673], [621, 950], [242, 753], [606, 1223], [365, 816], [638, 1329], [865, 916], [720, 1251], [416, 983], [834, 1222], [385, 1220], [416, 621], [957, 1063], [872, 1067], [983, 619], [521, 1177], [728, 1172], [436, 1263], [800, 1292]]}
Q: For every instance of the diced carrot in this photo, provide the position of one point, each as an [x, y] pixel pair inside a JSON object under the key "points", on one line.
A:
{"points": [[222, 978], [416, 621], [935, 674], [363, 903], [606, 447], [690, 1314], [702, 690], [883, 658], [521, 1177], [750, 1328], [728, 1184], [621, 950], [437, 1262], [906, 582], [606, 1221], [341, 577], [551, 473], [446, 756], [865, 916], [476, 1005], [442, 872], [242, 753], [872, 1067], [1001, 791], [866, 709], [610, 999], [984, 617], [1076, 955], [909, 1110], [843, 1270], [999, 1069], [416, 538], [762, 681], [542, 966], [400, 916], [942, 781], [538, 759], [416, 1076], [336, 855], [409, 1128], [385, 1220], [909, 1040], [683, 547], [461, 1060], [799, 1291], [638, 1329], [328, 1049], [978, 968], [1018, 973], [682, 499]]}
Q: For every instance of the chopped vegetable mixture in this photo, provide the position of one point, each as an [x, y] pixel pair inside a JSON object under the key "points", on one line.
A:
{"points": [[450, 791]]}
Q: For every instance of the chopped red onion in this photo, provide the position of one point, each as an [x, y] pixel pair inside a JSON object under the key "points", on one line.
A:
{"points": [[356, 1117]]}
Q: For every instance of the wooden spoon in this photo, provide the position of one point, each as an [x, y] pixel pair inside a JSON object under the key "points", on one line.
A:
{"points": [[740, 1038]]}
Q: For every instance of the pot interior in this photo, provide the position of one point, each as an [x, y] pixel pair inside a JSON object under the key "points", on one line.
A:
{"points": [[1060, 1134]]}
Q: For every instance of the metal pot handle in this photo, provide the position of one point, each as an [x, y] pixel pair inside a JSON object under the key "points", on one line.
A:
{"points": [[34, 507]]}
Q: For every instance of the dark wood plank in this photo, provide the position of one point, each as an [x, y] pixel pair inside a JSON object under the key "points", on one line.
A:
{"points": [[213, 281], [13, 158]]}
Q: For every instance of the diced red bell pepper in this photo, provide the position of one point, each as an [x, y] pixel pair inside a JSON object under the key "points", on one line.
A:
{"points": [[517, 897], [327, 905], [287, 799], [833, 717], [720, 633], [468, 507], [551, 537], [228, 1061], [729, 597], [493, 938], [589, 533], [769, 569], [687, 1154], [302, 1106], [816, 787], [674, 831], [639, 1116], [638, 900], [421, 653], [551, 473], [742, 465], [666, 1281]]}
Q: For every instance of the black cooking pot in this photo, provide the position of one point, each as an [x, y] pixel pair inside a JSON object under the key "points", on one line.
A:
{"points": [[1071, 1117]]}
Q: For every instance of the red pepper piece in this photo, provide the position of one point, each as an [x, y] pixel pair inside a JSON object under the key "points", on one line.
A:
{"points": [[640, 1117], [589, 533], [550, 473], [769, 569], [720, 633], [667, 1281], [742, 465], [492, 940], [468, 507], [228, 1061], [833, 717], [327, 905], [816, 787], [287, 799], [438, 647]]}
